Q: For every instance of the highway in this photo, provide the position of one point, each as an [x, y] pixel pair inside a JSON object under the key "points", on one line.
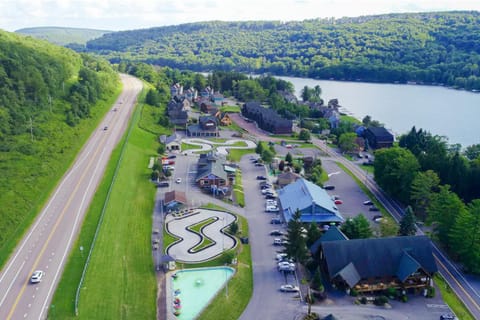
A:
{"points": [[46, 245], [447, 269]]}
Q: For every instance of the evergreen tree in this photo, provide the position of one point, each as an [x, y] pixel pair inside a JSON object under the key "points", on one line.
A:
{"points": [[296, 247], [407, 224]]}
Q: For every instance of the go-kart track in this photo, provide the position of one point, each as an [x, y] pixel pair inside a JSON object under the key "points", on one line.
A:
{"points": [[222, 147], [184, 250]]}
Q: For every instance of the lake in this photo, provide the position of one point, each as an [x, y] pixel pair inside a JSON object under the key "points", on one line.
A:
{"points": [[446, 112]]}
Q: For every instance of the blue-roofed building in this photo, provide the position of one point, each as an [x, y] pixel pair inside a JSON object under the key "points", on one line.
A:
{"points": [[314, 203]]}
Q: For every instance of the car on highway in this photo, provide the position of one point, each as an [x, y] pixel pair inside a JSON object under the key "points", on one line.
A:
{"points": [[179, 180], [105, 128], [289, 288], [36, 276], [368, 203], [328, 187], [338, 201], [373, 208], [261, 178], [277, 232]]}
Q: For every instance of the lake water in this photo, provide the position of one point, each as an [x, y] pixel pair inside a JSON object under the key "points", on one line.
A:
{"points": [[446, 112]]}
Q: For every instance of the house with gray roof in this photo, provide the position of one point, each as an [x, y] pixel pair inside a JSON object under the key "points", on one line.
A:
{"points": [[313, 202], [376, 264], [211, 172]]}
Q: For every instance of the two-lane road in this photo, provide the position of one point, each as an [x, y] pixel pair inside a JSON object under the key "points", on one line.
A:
{"points": [[47, 243]]}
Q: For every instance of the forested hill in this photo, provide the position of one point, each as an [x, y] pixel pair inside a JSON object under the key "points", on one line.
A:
{"points": [[63, 36], [441, 48], [50, 100]]}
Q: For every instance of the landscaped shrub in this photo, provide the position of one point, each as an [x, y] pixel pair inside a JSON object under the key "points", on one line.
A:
{"points": [[353, 292], [431, 292], [404, 298], [380, 301], [392, 293], [363, 300]]}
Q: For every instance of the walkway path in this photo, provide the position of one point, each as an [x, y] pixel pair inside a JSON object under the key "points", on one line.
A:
{"points": [[182, 250]]}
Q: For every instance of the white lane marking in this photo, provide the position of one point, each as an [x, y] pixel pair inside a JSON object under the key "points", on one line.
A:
{"points": [[72, 233], [11, 284]]}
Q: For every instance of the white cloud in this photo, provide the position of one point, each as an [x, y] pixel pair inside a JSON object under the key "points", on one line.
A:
{"points": [[132, 14]]}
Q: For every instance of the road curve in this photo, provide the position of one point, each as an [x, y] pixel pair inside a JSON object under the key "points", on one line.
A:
{"points": [[47, 243], [222, 148]]}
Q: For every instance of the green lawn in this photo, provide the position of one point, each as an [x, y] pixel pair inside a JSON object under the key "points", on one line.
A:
{"points": [[197, 228], [238, 189], [350, 119], [120, 282], [233, 109], [451, 299], [369, 169], [187, 146], [237, 154]]}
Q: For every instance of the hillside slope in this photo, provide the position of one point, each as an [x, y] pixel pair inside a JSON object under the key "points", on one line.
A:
{"points": [[440, 48], [63, 36], [50, 100]]}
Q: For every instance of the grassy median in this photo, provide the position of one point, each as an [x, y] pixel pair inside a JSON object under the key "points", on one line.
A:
{"points": [[120, 282]]}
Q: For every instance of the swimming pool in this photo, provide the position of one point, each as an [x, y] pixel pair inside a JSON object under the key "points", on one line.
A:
{"points": [[193, 289]]}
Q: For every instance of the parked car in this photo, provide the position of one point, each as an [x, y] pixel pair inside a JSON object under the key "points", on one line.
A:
{"points": [[163, 184], [258, 164], [270, 202], [328, 187], [368, 203], [36, 276], [277, 242], [335, 197], [448, 316], [179, 180], [271, 209], [270, 196], [277, 232], [275, 221], [377, 218], [280, 256], [289, 288], [172, 156], [373, 208], [261, 178], [286, 266], [338, 201], [265, 183], [265, 186], [268, 190]]}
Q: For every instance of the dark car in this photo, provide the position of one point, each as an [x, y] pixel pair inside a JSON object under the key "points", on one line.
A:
{"points": [[447, 316], [270, 196], [276, 221], [368, 203], [373, 208], [172, 156], [163, 184], [261, 178], [328, 187], [276, 233]]}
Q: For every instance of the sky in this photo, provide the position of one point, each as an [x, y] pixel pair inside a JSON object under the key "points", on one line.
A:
{"points": [[136, 14]]}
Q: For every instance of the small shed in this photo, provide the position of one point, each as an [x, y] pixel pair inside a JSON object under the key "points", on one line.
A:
{"points": [[168, 263], [174, 199]]}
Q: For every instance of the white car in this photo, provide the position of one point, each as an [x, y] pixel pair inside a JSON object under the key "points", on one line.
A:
{"points": [[271, 209], [264, 191], [280, 256], [179, 180], [286, 266], [289, 288], [271, 202], [37, 276]]}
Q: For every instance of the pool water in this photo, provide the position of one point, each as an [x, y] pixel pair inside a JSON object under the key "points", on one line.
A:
{"points": [[194, 289]]}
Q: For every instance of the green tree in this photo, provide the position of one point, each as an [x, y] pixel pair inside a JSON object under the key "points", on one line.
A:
{"points": [[153, 98], [465, 237], [267, 156], [296, 247], [313, 233], [443, 209], [472, 152], [423, 186], [316, 283], [289, 158], [357, 228], [407, 224], [347, 142], [304, 135], [388, 228], [233, 229], [395, 168], [259, 149]]}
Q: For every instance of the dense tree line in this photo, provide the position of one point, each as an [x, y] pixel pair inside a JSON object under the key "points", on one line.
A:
{"points": [[439, 48], [40, 86], [442, 186]]}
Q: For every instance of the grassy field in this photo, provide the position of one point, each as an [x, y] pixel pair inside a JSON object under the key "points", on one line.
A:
{"points": [[206, 241], [120, 281], [233, 109], [452, 300], [350, 119], [187, 146], [237, 154], [238, 189]]}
